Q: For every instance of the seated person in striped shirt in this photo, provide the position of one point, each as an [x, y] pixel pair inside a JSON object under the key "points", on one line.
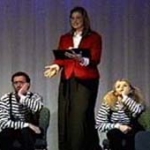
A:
{"points": [[118, 115], [14, 114]]}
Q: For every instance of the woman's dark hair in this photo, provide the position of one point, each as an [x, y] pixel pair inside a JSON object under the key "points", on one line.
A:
{"points": [[20, 74], [86, 20]]}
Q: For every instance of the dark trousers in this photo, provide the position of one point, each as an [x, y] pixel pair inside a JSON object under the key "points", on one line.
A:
{"points": [[76, 115], [24, 136], [120, 141]]}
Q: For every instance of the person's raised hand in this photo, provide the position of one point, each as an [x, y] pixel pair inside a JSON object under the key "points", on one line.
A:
{"points": [[126, 91], [23, 90], [51, 70]]}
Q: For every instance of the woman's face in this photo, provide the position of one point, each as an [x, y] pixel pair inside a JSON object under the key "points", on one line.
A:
{"points": [[76, 21], [122, 87]]}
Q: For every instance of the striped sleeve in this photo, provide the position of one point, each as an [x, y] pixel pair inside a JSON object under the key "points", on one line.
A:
{"points": [[5, 120], [133, 106], [34, 103], [102, 120]]}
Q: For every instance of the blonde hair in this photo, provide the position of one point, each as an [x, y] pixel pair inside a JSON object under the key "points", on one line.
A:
{"points": [[111, 97]]}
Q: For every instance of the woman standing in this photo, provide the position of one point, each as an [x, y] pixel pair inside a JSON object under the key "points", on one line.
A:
{"points": [[78, 85]]}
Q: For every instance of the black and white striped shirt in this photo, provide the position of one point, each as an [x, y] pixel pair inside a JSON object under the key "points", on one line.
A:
{"points": [[108, 119], [20, 110]]}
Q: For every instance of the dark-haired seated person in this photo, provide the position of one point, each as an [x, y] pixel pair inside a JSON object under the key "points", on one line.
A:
{"points": [[118, 115], [15, 108]]}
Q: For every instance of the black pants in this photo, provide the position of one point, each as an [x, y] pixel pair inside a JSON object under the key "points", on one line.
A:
{"points": [[120, 141], [76, 115], [26, 137]]}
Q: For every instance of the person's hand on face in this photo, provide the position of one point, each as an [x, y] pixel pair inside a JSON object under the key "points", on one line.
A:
{"points": [[122, 88], [20, 85], [126, 91], [23, 90]]}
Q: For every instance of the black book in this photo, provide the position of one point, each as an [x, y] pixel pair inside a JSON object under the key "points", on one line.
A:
{"points": [[68, 54]]}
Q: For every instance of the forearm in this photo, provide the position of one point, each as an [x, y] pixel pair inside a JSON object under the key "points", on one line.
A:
{"points": [[34, 103], [101, 126], [133, 106], [7, 122]]}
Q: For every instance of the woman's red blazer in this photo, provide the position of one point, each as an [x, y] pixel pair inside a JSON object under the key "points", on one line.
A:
{"points": [[72, 68]]}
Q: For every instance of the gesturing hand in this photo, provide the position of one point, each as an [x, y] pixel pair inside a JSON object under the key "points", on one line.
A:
{"points": [[51, 70]]}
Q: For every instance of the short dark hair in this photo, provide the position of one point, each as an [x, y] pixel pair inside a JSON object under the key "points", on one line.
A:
{"points": [[20, 73]]}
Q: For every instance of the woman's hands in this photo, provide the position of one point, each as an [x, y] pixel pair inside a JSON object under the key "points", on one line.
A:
{"points": [[51, 70], [73, 55]]}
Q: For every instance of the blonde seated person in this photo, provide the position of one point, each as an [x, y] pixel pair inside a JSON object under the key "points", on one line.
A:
{"points": [[118, 115]]}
